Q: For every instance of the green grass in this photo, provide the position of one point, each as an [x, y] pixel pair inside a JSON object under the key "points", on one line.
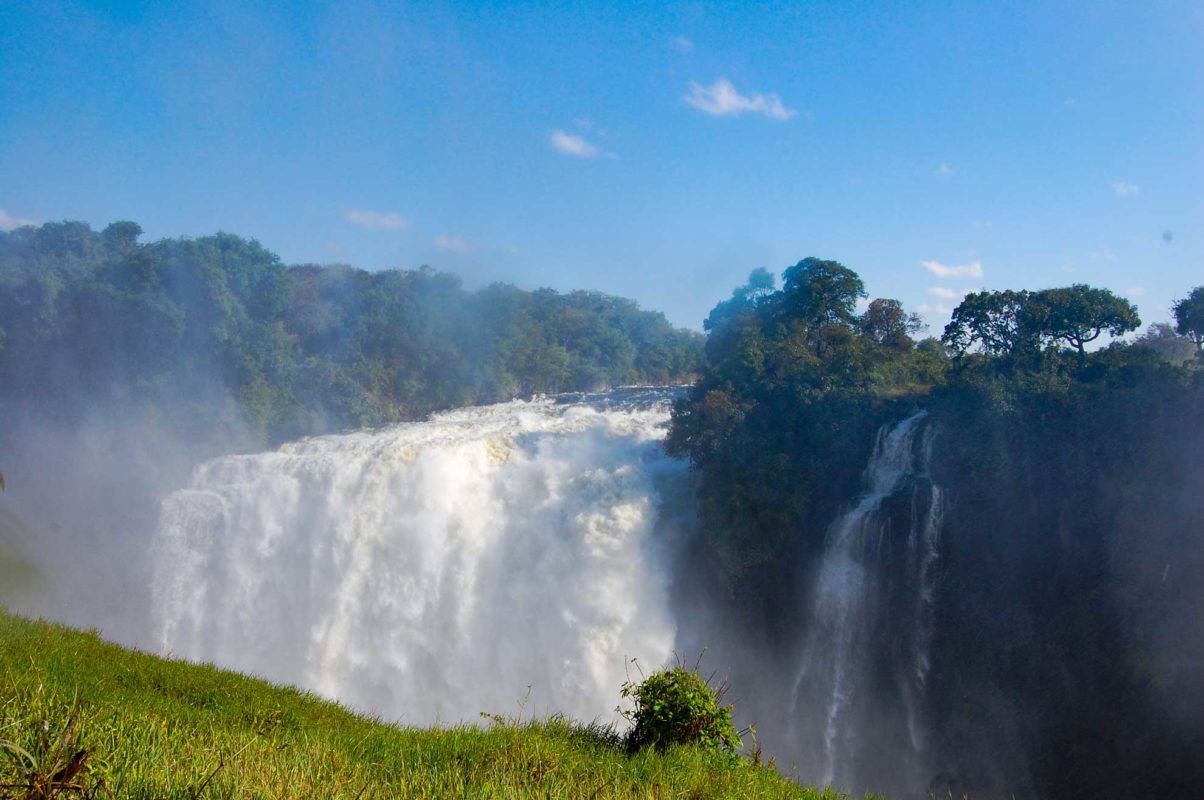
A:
{"points": [[157, 728]]}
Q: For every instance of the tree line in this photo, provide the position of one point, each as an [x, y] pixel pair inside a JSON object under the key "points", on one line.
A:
{"points": [[216, 330]]}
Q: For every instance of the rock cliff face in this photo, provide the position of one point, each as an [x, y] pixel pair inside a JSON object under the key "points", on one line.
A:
{"points": [[1010, 606], [1067, 628]]}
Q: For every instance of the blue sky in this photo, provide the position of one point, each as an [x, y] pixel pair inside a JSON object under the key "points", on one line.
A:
{"points": [[657, 152]]}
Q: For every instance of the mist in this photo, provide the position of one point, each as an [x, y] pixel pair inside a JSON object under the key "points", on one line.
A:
{"points": [[124, 365]]}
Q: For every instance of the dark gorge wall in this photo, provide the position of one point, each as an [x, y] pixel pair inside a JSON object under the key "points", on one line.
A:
{"points": [[1065, 645], [1069, 634]]}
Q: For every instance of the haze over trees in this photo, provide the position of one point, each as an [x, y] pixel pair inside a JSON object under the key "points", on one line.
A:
{"points": [[216, 331]]}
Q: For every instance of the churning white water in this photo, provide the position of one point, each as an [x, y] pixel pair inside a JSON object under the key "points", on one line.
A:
{"points": [[860, 628], [429, 572]]}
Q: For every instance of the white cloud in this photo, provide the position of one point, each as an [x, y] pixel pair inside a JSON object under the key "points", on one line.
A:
{"points": [[943, 292], [939, 310], [971, 270], [377, 220], [1135, 291], [1125, 189], [572, 145], [681, 44], [721, 99], [945, 171], [8, 222], [453, 243]]}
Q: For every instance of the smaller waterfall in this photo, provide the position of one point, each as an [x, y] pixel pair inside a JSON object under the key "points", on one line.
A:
{"points": [[867, 651], [923, 547]]}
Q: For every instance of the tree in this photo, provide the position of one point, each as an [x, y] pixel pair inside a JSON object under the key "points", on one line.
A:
{"points": [[759, 286], [1078, 314], [726, 319], [1012, 323], [822, 292], [120, 238], [1162, 339], [887, 323], [996, 321], [1189, 317]]}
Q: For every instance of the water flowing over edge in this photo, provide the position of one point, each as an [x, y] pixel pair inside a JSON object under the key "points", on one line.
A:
{"points": [[838, 699], [432, 571]]}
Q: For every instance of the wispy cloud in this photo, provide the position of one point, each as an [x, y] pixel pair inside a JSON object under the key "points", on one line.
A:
{"points": [[1125, 189], [945, 170], [572, 145], [377, 220], [681, 44], [453, 243], [943, 292], [1103, 254], [721, 99], [971, 270], [938, 310], [9, 222], [1135, 291]]}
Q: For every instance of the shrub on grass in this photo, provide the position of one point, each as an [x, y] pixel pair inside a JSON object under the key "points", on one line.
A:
{"points": [[679, 706]]}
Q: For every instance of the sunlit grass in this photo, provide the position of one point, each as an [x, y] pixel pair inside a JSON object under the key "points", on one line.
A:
{"points": [[155, 728]]}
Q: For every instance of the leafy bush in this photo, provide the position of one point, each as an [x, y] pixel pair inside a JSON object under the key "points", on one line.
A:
{"points": [[678, 706]]}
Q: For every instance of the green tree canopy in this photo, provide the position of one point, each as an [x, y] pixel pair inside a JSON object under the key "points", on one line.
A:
{"points": [[1189, 316], [1078, 314], [200, 331], [887, 323], [1016, 323], [821, 293], [997, 322]]}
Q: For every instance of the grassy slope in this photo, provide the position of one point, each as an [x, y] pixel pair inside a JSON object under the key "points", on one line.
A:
{"points": [[167, 729]]}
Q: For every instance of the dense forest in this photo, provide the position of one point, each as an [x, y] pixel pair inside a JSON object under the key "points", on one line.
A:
{"points": [[215, 332], [1067, 618]]}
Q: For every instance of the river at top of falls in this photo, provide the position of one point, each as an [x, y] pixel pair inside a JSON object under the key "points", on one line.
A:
{"points": [[428, 572]]}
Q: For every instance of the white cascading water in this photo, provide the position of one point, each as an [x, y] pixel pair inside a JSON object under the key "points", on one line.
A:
{"points": [[923, 549], [429, 572], [836, 694]]}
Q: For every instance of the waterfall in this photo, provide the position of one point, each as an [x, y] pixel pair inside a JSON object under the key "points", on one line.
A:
{"points": [[429, 572], [859, 691]]}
